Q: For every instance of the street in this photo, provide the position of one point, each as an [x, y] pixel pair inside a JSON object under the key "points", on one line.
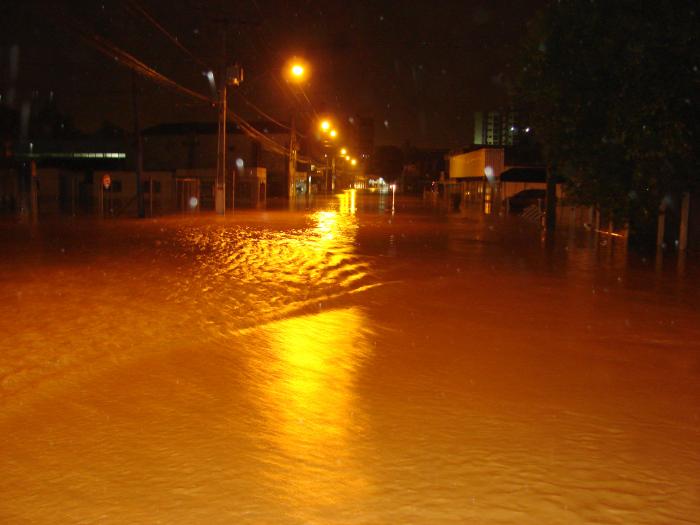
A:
{"points": [[344, 364]]}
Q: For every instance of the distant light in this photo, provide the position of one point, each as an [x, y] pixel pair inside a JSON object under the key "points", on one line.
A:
{"points": [[347, 157], [343, 151], [325, 125], [386, 123], [297, 70], [351, 120], [193, 202], [239, 163], [210, 78], [353, 161], [488, 171], [527, 130], [333, 133], [512, 128]]}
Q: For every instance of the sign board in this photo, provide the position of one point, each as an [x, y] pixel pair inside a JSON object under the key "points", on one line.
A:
{"points": [[106, 181]]}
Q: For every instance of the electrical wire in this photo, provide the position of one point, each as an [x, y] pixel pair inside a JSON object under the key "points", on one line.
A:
{"points": [[107, 48], [261, 112], [135, 6], [126, 59]]}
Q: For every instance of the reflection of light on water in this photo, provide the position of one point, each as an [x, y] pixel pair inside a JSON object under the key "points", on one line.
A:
{"points": [[308, 399], [327, 221], [253, 275], [347, 201]]}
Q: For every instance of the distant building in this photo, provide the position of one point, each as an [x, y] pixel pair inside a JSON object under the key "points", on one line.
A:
{"points": [[179, 169], [499, 128], [490, 175], [189, 150]]}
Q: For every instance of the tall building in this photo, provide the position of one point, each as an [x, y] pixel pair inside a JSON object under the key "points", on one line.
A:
{"points": [[499, 128]]}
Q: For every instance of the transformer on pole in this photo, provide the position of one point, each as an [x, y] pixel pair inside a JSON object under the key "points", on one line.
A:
{"points": [[233, 76]]}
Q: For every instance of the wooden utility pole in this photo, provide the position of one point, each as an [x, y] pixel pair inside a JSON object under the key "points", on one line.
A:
{"points": [[292, 166], [551, 200], [220, 196], [33, 191], [661, 226], [138, 146]]}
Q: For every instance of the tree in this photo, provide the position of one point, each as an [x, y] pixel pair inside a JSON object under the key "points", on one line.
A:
{"points": [[612, 91]]}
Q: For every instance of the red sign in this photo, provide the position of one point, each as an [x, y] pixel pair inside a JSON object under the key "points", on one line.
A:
{"points": [[106, 181]]}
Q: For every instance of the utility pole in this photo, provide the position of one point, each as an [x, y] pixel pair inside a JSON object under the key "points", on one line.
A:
{"points": [[138, 145], [220, 183], [551, 201], [220, 197], [332, 174], [230, 76], [33, 191], [292, 167]]}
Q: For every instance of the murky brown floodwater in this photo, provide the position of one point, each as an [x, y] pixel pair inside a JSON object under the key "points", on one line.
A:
{"points": [[343, 366]]}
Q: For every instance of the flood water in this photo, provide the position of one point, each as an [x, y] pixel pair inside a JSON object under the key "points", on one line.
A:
{"points": [[344, 364]]}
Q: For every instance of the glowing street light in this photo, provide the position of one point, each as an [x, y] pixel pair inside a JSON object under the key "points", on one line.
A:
{"points": [[353, 162], [343, 151], [347, 157], [333, 133], [296, 70], [325, 125]]}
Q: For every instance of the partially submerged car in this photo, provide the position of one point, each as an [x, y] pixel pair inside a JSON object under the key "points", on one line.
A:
{"points": [[524, 199]]}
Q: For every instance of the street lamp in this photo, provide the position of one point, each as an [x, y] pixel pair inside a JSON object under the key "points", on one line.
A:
{"points": [[343, 152], [296, 70], [325, 125], [333, 133]]}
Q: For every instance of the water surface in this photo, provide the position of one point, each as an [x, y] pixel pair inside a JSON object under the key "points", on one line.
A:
{"points": [[344, 364]]}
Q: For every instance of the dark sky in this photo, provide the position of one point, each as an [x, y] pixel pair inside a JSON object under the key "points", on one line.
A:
{"points": [[419, 68]]}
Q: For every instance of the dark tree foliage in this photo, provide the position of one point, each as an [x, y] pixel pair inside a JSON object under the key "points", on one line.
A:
{"points": [[612, 88]]}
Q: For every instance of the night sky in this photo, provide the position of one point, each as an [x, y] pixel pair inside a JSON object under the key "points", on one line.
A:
{"points": [[420, 69]]}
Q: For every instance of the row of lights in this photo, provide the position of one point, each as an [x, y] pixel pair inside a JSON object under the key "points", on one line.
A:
{"points": [[297, 73]]}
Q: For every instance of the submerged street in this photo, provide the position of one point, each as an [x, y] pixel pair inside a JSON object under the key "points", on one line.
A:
{"points": [[344, 364]]}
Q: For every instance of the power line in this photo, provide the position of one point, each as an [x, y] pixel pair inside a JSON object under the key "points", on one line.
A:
{"points": [[111, 50], [124, 58], [135, 6], [261, 112], [272, 55]]}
